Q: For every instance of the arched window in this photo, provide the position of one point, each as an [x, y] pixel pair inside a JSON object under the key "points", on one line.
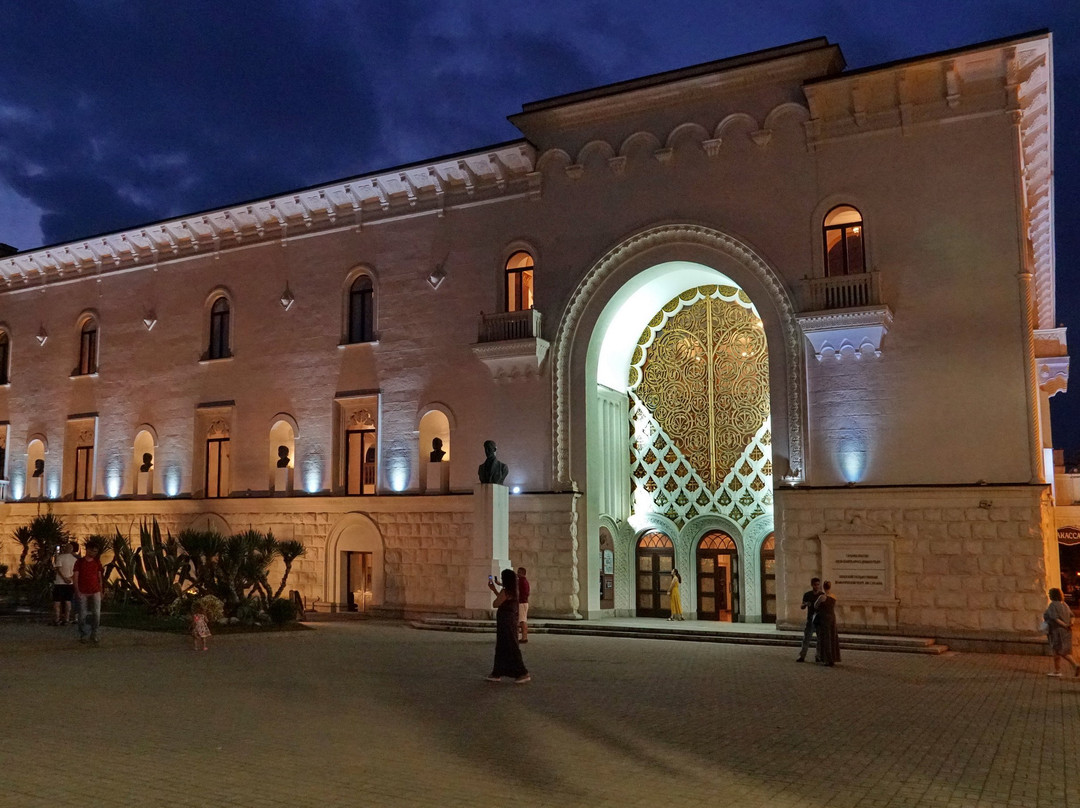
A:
{"points": [[88, 347], [519, 281], [843, 242], [219, 330], [5, 356], [362, 310]]}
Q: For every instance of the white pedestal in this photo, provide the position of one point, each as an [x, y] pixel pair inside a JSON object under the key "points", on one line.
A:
{"points": [[438, 478], [37, 487], [282, 482], [490, 545], [144, 483]]}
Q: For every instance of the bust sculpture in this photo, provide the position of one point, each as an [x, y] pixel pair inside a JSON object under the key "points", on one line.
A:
{"points": [[39, 468], [283, 457], [147, 462], [492, 471], [437, 453]]}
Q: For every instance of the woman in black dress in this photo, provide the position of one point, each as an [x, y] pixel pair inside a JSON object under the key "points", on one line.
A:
{"points": [[507, 653], [828, 638]]}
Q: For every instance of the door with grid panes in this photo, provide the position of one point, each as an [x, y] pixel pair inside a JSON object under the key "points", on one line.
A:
{"points": [[655, 560], [717, 578]]}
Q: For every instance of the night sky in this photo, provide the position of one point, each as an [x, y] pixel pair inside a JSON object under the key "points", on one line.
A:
{"points": [[114, 114]]}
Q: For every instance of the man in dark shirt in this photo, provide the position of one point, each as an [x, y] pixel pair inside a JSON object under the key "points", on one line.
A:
{"points": [[808, 601], [523, 604]]}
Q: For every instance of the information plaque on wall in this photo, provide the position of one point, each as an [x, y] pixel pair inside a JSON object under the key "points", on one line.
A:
{"points": [[860, 567]]}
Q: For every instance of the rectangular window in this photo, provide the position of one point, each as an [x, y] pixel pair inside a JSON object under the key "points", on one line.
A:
{"points": [[88, 351], [217, 468], [360, 462], [84, 472], [519, 290]]}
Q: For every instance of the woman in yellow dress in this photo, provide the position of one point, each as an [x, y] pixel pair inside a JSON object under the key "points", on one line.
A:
{"points": [[673, 595]]}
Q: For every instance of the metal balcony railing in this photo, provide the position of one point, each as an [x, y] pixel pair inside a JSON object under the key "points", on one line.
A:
{"points": [[509, 325], [843, 292]]}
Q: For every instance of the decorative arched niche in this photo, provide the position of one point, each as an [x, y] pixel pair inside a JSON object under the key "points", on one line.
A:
{"points": [[354, 564], [281, 453], [144, 462], [435, 426]]}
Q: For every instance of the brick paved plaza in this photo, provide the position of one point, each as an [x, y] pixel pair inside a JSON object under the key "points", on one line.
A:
{"points": [[375, 714]]}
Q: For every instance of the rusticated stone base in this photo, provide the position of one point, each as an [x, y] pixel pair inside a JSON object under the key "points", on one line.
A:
{"points": [[973, 560]]}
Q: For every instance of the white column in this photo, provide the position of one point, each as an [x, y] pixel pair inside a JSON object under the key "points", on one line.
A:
{"points": [[490, 546]]}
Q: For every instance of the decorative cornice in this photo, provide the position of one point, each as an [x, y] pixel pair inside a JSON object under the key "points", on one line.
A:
{"points": [[857, 330], [505, 172], [684, 135], [643, 242], [511, 360]]}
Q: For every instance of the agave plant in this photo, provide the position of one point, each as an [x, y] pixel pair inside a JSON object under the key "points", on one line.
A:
{"points": [[155, 571]]}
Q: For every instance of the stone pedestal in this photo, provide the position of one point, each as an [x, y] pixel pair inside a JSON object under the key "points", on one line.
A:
{"points": [[144, 483], [438, 478], [282, 482], [37, 487], [490, 549]]}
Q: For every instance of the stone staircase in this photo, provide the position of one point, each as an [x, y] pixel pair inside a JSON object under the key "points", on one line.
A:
{"points": [[744, 635]]}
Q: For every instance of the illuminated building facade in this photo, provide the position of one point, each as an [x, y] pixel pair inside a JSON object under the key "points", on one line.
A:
{"points": [[758, 319]]}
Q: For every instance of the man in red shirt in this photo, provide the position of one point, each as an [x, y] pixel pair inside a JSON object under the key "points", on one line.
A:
{"points": [[523, 604], [87, 578]]}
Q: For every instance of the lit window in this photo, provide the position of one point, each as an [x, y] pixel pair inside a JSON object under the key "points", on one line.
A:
{"points": [[219, 330], [843, 241], [519, 282], [362, 310], [88, 348]]}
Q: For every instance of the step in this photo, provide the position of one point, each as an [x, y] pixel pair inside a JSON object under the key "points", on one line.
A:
{"points": [[791, 639]]}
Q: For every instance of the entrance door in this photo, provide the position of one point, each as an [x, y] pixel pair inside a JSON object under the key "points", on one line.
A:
{"points": [[358, 569], [768, 579], [717, 578], [655, 560]]}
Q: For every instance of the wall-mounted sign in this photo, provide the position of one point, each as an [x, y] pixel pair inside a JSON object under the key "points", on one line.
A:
{"points": [[1069, 535], [860, 567]]}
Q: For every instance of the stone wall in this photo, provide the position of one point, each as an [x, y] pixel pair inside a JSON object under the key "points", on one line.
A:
{"points": [[971, 561], [424, 540]]}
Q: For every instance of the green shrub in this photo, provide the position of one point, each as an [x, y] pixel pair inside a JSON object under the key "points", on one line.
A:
{"points": [[211, 606], [282, 611]]}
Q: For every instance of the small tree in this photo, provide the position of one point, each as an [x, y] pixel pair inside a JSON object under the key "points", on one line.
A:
{"points": [[290, 550], [23, 537]]}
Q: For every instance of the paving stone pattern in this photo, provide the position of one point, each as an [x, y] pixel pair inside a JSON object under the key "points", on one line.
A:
{"points": [[375, 714]]}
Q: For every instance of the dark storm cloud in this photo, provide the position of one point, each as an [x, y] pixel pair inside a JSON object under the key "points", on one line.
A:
{"points": [[141, 111]]}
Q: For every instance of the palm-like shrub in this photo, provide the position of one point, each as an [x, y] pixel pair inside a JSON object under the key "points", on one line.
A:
{"points": [[48, 536], [236, 568], [23, 537], [290, 550]]}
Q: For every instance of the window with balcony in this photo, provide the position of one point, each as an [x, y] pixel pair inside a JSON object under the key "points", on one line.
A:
{"points": [[361, 310], [519, 281], [843, 242], [220, 315], [88, 348]]}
